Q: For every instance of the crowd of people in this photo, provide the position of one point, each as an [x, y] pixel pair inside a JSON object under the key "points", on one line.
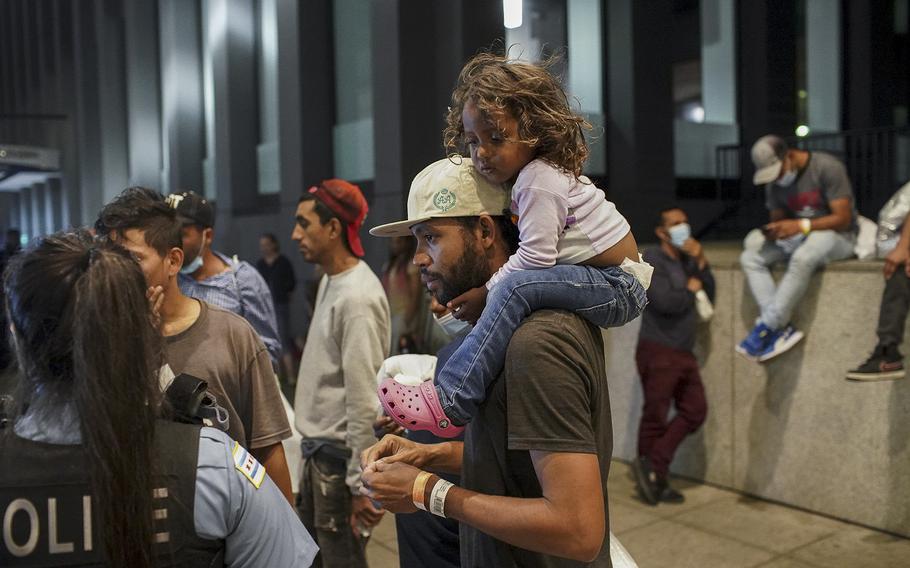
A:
{"points": [[493, 450]]}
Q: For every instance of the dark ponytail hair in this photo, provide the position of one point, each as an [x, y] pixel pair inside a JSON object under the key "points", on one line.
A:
{"points": [[83, 334]]}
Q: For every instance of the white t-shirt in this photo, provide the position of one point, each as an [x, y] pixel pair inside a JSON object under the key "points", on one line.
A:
{"points": [[561, 220]]}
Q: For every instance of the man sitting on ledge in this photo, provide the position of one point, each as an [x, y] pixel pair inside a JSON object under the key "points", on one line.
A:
{"points": [[813, 222]]}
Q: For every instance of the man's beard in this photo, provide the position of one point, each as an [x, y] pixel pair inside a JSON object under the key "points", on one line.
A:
{"points": [[471, 271]]}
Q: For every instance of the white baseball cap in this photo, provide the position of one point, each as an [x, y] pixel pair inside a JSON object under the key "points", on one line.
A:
{"points": [[450, 187], [767, 154]]}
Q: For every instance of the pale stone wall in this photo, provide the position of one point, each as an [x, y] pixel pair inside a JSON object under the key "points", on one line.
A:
{"points": [[792, 430]]}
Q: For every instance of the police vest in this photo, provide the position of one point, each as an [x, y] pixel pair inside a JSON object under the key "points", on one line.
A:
{"points": [[49, 515]]}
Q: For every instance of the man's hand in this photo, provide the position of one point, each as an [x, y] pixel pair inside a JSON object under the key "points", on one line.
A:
{"points": [[782, 229], [391, 484], [155, 297], [899, 255], [363, 514], [385, 425], [469, 305], [394, 449], [693, 249], [693, 284]]}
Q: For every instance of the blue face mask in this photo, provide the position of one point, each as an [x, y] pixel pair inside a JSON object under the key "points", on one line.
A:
{"points": [[452, 326], [196, 264], [679, 234]]}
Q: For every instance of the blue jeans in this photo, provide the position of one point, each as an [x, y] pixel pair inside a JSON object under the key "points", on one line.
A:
{"points": [[607, 297], [776, 301]]}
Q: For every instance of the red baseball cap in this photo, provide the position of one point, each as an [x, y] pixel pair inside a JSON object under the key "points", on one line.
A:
{"points": [[345, 200]]}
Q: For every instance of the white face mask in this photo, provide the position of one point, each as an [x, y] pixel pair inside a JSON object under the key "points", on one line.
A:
{"points": [[787, 179], [196, 264], [452, 326], [679, 234]]}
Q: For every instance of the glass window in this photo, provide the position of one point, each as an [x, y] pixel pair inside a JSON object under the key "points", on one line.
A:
{"points": [[574, 29], [353, 134], [213, 30], [704, 89], [818, 67], [267, 65]]}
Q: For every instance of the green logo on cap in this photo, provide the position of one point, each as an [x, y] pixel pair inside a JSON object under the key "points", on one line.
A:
{"points": [[444, 200]]}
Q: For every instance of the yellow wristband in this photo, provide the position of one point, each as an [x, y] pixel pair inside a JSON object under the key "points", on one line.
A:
{"points": [[419, 488], [805, 225]]}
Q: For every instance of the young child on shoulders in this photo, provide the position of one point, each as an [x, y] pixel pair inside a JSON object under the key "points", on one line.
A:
{"points": [[576, 250]]}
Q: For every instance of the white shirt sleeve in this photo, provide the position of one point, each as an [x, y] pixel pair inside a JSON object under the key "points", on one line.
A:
{"points": [[542, 216], [258, 526], [364, 346]]}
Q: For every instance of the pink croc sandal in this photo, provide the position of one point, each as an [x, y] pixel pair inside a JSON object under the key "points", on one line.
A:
{"points": [[416, 408]]}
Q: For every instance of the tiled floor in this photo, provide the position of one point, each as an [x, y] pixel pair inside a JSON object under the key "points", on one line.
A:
{"points": [[718, 529]]}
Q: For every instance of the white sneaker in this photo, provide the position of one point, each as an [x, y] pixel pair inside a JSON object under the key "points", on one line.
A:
{"points": [[781, 342]]}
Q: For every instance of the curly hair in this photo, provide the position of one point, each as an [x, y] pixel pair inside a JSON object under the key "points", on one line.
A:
{"points": [[530, 94]]}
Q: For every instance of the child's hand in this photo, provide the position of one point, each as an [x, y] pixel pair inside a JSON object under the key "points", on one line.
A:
{"points": [[469, 305]]}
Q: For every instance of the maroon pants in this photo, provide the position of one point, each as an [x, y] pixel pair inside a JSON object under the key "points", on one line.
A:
{"points": [[667, 376]]}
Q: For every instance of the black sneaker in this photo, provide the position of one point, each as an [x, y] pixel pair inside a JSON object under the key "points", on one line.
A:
{"points": [[669, 495], [885, 364], [646, 480]]}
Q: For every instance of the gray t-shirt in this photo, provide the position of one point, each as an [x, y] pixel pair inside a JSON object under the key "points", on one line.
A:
{"points": [[552, 396], [823, 180], [222, 349]]}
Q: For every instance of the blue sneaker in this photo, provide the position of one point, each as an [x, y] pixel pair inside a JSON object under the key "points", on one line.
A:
{"points": [[756, 342], [780, 342]]}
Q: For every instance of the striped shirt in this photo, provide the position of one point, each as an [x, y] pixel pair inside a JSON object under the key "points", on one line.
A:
{"points": [[241, 290]]}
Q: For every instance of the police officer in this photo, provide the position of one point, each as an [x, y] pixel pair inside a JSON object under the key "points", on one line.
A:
{"points": [[91, 475]]}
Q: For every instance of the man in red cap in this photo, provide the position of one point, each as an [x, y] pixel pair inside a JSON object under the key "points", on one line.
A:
{"points": [[335, 402]]}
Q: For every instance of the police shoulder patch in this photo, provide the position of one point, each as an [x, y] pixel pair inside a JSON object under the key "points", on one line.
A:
{"points": [[247, 465]]}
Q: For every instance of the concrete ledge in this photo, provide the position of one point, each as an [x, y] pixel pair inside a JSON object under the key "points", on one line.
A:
{"points": [[793, 430], [726, 255]]}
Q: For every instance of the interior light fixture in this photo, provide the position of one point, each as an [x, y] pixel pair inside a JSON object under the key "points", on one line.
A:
{"points": [[802, 130], [511, 13]]}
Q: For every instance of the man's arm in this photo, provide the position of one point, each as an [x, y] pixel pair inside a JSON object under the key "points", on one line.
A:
{"points": [[777, 214], [276, 465], [839, 220], [567, 521], [364, 345], [707, 281], [664, 297], [694, 249], [444, 457], [900, 254], [258, 309]]}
